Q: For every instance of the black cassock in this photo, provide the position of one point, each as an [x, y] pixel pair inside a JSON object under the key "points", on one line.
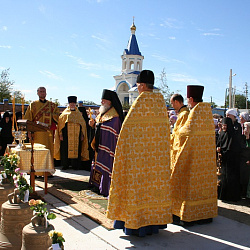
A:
{"points": [[65, 161], [230, 143]]}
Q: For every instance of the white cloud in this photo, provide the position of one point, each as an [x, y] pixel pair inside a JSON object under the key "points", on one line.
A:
{"points": [[175, 77], [4, 28], [5, 46], [172, 37], [171, 23], [93, 66], [99, 38], [165, 59], [50, 75], [95, 75], [161, 58], [211, 34], [97, 1], [85, 65]]}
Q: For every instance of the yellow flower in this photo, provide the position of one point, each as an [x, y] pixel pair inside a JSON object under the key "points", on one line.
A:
{"points": [[59, 234], [38, 202], [32, 202], [51, 233]]}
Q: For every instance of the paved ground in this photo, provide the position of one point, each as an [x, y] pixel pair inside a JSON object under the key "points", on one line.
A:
{"points": [[81, 232]]}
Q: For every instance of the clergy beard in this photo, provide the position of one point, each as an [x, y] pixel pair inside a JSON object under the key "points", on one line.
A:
{"points": [[104, 108]]}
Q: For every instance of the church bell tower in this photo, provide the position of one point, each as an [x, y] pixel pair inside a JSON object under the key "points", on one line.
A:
{"points": [[132, 60]]}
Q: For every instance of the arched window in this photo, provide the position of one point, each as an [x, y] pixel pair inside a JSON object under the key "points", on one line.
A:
{"points": [[125, 87], [138, 66], [132, 65]]}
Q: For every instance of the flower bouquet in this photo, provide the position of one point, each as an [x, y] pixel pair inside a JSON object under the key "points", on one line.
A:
{"points": [[22, 185], [41, 213], [57, 238], [9, 162]]}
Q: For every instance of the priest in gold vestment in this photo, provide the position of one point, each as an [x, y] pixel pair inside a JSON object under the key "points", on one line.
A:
{"points": [[182, 111], [43, 111], [71, 141], [139, 198], [46, 112], [194, 179]]}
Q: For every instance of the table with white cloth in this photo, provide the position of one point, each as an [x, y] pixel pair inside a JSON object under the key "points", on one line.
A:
{"points": [[43, 161]]}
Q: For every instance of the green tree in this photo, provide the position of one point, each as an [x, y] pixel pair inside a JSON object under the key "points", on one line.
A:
{"points": [[163, 86], [126, 106], [18, 96], [56, 102], [240, 102], [6, 90], [214, 104], [5, 85], [88, 102]]}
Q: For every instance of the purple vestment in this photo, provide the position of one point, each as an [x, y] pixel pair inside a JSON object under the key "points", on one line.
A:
{"points": [[109, 133]]}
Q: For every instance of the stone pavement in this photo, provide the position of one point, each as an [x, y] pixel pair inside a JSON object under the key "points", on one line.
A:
{"points": [[81, 232]]}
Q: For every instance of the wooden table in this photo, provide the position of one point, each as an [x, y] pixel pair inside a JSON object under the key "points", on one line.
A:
{"points": [[42, 161]]}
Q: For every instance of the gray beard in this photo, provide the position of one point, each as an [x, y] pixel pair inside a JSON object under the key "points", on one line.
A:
{"points": [[103, 109]]}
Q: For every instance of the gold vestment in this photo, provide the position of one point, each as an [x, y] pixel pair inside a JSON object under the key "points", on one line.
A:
{"points": [[47, 113], [182, 118], [140, 186], [75, 122], [194, 179]]}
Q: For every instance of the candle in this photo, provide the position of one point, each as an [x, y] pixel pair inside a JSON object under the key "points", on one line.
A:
{"points": [[13, 109], [22, 99]]}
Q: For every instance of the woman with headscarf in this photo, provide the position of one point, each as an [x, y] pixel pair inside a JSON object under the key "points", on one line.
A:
{"points": [[6, 132], [244, 117], [229, 154], [247, 172], [245, 160], [172, 120]]}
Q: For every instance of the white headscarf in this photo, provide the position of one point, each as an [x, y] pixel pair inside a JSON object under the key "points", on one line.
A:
{"points": [[231, 112], [247, 129], [245, 116]]}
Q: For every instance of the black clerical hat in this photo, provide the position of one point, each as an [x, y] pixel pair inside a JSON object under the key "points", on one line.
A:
{"points": [[108, 94], [195, 91], [72, 99], [146, 76], [115, 101]]}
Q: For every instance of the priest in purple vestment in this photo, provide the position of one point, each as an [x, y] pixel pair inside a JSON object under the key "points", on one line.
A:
{"points": [[107, 128]]}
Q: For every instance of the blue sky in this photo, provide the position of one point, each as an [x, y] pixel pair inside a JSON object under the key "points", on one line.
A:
{"points": [[75, 47]]}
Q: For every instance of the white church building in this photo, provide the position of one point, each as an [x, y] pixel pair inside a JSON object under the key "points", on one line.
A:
{"points": [[132, 59]]}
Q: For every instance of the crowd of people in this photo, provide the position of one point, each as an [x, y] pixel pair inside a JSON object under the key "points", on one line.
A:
{"points": [[233, 154], [155, 166]]}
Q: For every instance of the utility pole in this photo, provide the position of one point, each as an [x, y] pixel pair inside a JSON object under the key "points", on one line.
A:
{"points": [[246, 93], [230, 88]]}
